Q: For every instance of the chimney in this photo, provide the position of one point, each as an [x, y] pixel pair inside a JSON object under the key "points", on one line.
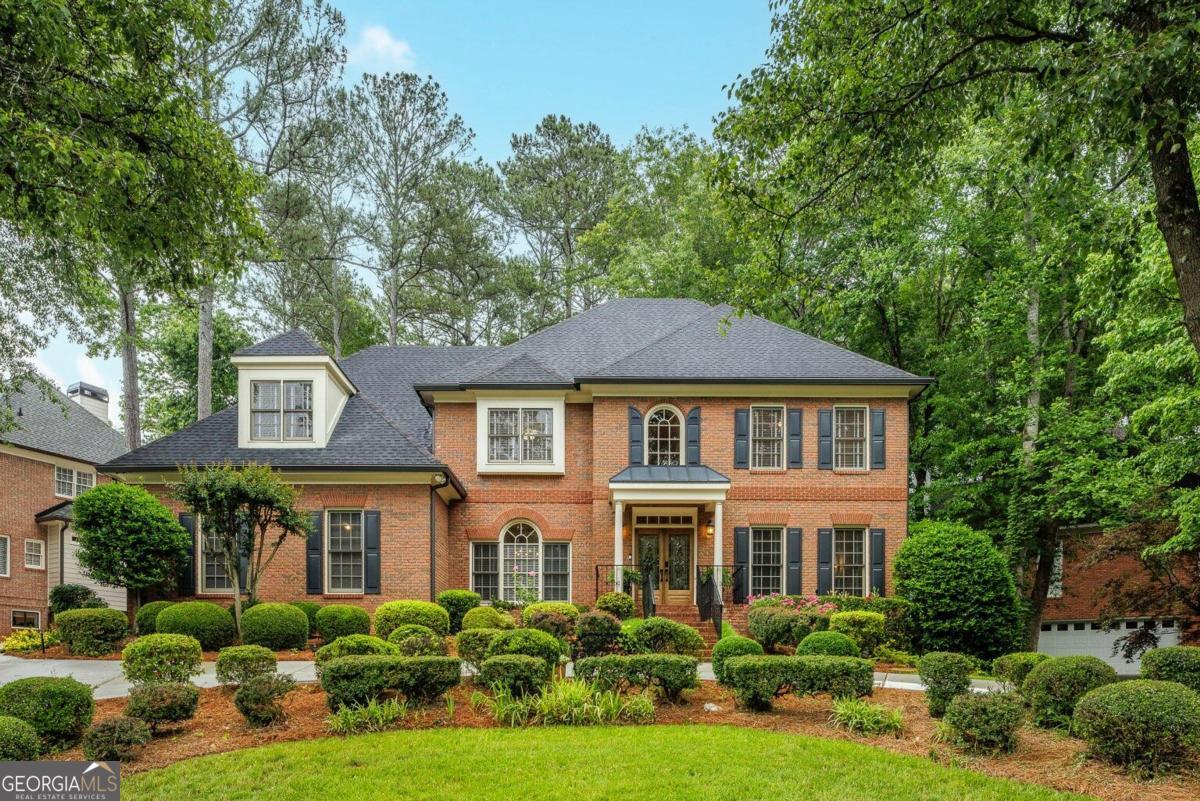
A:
{"points": [[90, 397]]}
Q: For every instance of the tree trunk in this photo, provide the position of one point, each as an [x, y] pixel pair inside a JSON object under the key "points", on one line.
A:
{"points": [[131, 400], [204, 349], [1033, 398], [1177, 212], [232, 570], [1048, 545]]}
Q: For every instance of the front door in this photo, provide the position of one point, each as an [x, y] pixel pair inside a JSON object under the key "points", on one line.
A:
{"points": [[667, 555]]}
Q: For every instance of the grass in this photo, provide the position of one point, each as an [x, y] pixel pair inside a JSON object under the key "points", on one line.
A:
{"points": [[653, 762]]}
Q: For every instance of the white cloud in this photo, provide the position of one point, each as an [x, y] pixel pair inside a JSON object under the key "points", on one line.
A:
{"points": [[88, 372], [378, 51], [48, 373]]}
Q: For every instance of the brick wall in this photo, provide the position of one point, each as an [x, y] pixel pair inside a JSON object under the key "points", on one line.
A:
{"points": [[28, 489]]}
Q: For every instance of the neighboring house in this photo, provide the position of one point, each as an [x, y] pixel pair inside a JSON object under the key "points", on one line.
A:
{"points": [[664, 435], [46, 459]]}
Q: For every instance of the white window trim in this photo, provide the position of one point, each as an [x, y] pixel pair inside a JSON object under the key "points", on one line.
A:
{"points": [[7, 556], [542, 542], [75, 474], [471, 565], [282, 410], [198, 550], [782, 439], [866, 567], [558, 423], [682, 431], [866, 463], [782, 557], [41, 554], [325, 547], [35, 612]]}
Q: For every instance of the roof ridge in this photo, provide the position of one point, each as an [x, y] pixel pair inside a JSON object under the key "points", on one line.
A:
{"points": [[658, 340], [524, 355]]}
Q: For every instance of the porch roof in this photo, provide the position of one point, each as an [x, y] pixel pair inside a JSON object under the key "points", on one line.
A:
{"points": [[668, 474], [59, 511]]}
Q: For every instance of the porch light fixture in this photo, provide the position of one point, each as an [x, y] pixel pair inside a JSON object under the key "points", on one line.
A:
{"points": [[709, 529]]}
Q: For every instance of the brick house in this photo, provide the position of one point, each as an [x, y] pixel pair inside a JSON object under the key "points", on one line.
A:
{"points": [[48, 456], [647, 443]]}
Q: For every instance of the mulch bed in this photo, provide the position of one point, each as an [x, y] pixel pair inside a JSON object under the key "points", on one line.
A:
{"points": [[1043, 757], [60, 652]]}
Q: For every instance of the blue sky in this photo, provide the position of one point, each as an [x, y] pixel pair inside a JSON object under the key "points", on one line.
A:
{"points": [[505, 65]]}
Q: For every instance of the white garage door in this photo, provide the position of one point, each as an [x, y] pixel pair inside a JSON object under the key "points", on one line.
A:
{"points": [[1086, 638]]}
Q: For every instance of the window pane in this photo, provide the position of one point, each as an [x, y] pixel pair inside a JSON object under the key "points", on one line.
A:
{"points": [[536, 435], [33, 553], [64, 482], [4, 556], [84, 481], [299, 425], [766, 561], [766, 435], [22, 619], [485, 569], [298, 396], [215, 577], [264, 425], [345, 551], [503, 435], [849, 438], [264, 395], [556, 571], [521, 554], [663, 438], [849, 561]]}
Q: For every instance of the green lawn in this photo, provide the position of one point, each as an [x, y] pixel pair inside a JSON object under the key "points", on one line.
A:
{"points": [[648, 762]]}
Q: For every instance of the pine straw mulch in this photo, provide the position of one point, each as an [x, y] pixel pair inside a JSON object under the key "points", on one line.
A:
{"points": [[60, 652]]}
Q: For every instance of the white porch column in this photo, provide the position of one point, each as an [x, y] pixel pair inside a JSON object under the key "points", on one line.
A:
{"points": [[618, 549], [718, 546]]}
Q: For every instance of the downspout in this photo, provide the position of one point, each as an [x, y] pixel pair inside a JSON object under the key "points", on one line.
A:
{"points": [[432, 542]]}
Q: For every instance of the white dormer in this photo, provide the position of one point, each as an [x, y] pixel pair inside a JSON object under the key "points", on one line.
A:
{"points": [[290, 393]]}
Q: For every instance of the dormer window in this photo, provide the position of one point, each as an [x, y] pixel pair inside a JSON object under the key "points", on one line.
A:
{"points": [[281, 408]]}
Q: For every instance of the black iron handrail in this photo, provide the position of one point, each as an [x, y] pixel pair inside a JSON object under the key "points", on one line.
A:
{"points": [[631, 579]]}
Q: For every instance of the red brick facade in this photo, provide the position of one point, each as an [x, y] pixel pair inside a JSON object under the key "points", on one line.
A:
{"points": [[28, 489]]}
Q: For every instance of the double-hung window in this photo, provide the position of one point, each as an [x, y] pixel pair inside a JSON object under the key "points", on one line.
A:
{"points": [[766, 560], [35, 554], [849, 561], [521, 435], [281, 410], [521, 566], [213, 575], [69, 483], [346, 551], [850, 437], [766, 436]]}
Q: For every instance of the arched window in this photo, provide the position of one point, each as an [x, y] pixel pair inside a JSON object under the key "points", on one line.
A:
{"points": [[664, 436], [529, 568], [521, 548]]}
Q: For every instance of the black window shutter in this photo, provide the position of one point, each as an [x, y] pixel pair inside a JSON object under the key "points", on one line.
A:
{"points": [[187, 571], [314, 560], [877, 432], [741, 438], [636, 452], [824, 561], [371, 553], [795, 427], [825, 439], [795, 550], [244, 542], [877, 543], [741, 558], [693, 436]]}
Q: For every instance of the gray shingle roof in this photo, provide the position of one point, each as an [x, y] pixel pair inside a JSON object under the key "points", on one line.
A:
{"points": [[669, 474], [289, 343], [57, 425]]}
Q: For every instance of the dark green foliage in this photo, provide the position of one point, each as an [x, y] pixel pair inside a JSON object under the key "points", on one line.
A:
{"points": [[115, 739], [355, 680], [618, 604], [1149, 727], [597, 633], [758, 680], [472, 644], [209, 623], [156, 658], [258, 699], [1013, 668], [864, 627], [457, 603], [279, 627], [555, 624], [340, 620], [158, 704], [396, 613], [59, 709], [239, 663], [962, 591], [530, 642], [898, 626], [561, 607], [18, 740], [517, 673], [729, 647], [985, 722], [488, 617], [64, 597], [661, 635], [1179, 663], [412, 639], [774, 625], [147, 615], [354, 645], [92, 632], [310, 609], [945, 676], [827, 643], [667, 674], [1053, 687]]}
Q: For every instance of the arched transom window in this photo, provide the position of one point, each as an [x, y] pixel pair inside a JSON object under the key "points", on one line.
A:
{"points": [[521, 567], [664, 436]]}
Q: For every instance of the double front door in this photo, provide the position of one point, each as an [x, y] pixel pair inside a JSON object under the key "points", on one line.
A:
{"points": [[666, 556]]}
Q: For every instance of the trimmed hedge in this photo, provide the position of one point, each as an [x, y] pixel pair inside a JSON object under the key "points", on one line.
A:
{"points": [[356, 680], [517, 673], [556, 624], [424, 613], [597, 633], [237, 664], [115, 739], [354, 645], [667, 674], [758, 680], [618, 604], [1149, 727], [209, 623], [163, 703], [828, 643], [530, 642], [660, 635], [774, 625], [984, 722], [471, 646], [341, 620], [18, 740], [1053, 687], [487, 617], [310, 609], [259, 698], [92, 632], [59, 709], [1179, 663], [157, 658], [457, 603], [561, 607], [1013, 668], [280, 627], [729, 647], [945, 676], [865, 628], [148, 614], [412, 639]]}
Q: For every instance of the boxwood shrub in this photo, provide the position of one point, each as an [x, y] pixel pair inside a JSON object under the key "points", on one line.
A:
{"points": [[159, 704], [59, 709], [618, 604], [561, 607], [415, 640], [774, 625], [237, 664], [597, 633], [487, 617], [355, 680], [280, 627], [457, 603], [828, 643], [1179, 663], [758, 680], [864, 627], [115, 739], [984, 722], [728, 647], [517, 673], [147, 614], [1054, 686], [530, 642], [353, 645], [209, 623], [660, 635], [1011, 669], [341, 620], [945, 676], [667, 674], [92, 632], [18, 740], [425, 613], [471, 646], [1147, 726], [310, 609], [155, 658]]}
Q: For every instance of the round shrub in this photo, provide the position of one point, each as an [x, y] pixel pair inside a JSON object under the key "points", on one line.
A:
{"points": [[310, 609], [729, 647], [424, 613], [354, 645], [618, 604], [659, 635], [160, 704], [161, 657], [517, 673], [280, 627], [18, 740], [471, 645], [773, 624], [259, 699], [487, 617], [865, 628], [147, 615], [212, 625], [985, 722], [1013, 668], [561, 607], [64, 597], [237, 664], [59, 709], [1054, 686], [341, 620], [1148, 726], [92, 632], [457, 603], [945, 676], [553, 623], [530, 642], [115, 739], [827, 643], [961, 588], [597, 633], [415, 640], [1179, 663]]}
